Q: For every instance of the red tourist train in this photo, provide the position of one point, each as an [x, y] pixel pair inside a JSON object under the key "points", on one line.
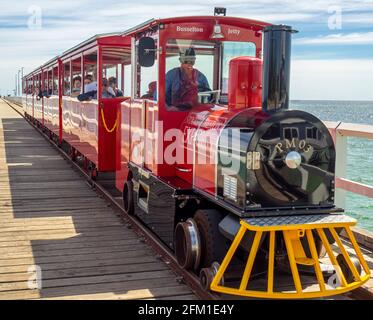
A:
{"points": [[191, 113]]}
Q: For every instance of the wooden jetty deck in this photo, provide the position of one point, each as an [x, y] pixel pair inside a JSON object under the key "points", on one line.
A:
{"points": [[51, 219]]}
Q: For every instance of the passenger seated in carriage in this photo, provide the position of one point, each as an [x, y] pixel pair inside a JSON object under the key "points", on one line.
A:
{"points": [[38, 93], [107, 91], [113, 85], [90, 89], [152, 91], [89, 84], [183, 83], [77, 85]]}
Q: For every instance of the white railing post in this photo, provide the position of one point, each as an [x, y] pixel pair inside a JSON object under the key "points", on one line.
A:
{"points": [[340, 167]]}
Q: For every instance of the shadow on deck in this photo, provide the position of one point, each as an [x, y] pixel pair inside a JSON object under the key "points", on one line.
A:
{"points": [[53, 223]]}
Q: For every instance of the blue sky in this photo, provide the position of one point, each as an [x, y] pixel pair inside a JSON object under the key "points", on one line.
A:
{"points": [[332, 55]]}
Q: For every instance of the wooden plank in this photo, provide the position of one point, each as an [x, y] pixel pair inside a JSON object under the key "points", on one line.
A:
{"points": [[49, 247], [82, 281], [73, 212], [7, 222], [50, 164], [77, 258], [86, 272], [24, 207], [46, 196], [154, 293], [73, 265], [121, 290], [7, 256], [27, 227], [31, 186], [76, 242], [61, 234], [68, 173]]}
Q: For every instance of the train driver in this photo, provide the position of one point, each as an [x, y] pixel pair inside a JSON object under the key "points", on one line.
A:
{"points": [[183, 83]]}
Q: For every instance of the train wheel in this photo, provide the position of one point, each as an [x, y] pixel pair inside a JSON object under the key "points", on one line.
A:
{"points": [[207, 275], [346, 269], [213, 246], [321, 251], [187, 244], [128, 204]]}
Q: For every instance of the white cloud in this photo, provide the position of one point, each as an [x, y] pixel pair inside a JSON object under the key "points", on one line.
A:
{"points": [[339, 38]]}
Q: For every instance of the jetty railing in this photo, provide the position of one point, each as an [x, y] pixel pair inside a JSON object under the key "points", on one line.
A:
{"points": [[340, 132]]}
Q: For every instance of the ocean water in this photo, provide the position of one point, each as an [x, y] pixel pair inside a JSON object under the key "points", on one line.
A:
{"points": [[359, 151]]}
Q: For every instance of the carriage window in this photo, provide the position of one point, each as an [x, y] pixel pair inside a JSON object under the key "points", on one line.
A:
{"points": [[76, 84], [37, 85], [45, 84], [190, 72], [55, 81], [90, 74], [113, 59], [66, 79], [29, 86], [50, 83], [232, 49], [127, 76]]}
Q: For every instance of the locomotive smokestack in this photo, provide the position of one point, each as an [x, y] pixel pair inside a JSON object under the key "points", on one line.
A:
{"points": [[276, 67]]}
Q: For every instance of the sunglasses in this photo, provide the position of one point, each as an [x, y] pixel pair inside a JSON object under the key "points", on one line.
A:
{"points": [[191, 62]]}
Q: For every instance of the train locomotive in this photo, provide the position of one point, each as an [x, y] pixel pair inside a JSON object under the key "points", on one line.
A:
{"points": [[238, 185], [250, 190]]}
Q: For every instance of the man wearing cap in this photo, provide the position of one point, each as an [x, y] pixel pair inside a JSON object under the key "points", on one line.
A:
{"points": [[183, 83]]}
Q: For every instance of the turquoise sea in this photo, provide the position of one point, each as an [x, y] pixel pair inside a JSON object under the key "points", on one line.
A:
{"points": [[360, 151]]}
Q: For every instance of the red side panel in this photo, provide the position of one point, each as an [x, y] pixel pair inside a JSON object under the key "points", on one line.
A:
{"points": [[108, 133], [123, 144], [136, 131], [93, 128], [189, 129], [46, 113], [38, 108], [206, 143], [152, 141], [54, 114]]}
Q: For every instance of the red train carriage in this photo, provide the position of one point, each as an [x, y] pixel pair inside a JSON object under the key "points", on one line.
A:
{"points": [[235, 183], [55, 98], [90, 127]]}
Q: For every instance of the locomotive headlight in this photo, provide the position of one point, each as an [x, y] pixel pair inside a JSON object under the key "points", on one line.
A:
{"points": [[293, 159]]}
